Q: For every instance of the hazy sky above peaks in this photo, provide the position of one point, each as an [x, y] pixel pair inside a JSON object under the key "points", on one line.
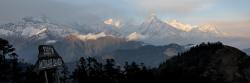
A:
{"points": [[231, 16]]}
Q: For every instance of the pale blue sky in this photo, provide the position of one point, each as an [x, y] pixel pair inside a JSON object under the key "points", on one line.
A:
{"points": [[231, 16]]}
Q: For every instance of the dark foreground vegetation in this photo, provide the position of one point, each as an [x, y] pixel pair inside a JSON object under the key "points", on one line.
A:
{"points": [[205, 63]]}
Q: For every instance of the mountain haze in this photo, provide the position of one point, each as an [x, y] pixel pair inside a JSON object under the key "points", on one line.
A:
{"points": [[74, 41]]}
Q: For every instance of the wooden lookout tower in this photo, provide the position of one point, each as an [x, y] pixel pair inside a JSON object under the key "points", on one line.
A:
{"points": [[48, 63]]}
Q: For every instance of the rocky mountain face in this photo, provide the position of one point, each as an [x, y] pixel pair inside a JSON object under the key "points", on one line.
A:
{"points": [[149, 55], [207, 63], [157, 31]]}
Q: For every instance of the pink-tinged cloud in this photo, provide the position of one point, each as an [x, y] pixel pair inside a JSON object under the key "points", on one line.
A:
{"points": [[176, 6], [234, 28]]}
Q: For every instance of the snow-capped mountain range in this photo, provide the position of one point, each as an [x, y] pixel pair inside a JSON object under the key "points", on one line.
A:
{"points": [[76, 40], [155, 31], [31, 27], [149, 31]]}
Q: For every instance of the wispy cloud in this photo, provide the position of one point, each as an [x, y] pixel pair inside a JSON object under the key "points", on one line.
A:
{"points": [[236, 28], [173, 6]]}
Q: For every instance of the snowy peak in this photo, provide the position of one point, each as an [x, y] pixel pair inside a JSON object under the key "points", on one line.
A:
{"points": [[180, 26], [35, 27], [154, 23], [86, 37], [155, 27], [134, 36], [41, 31], [29, 32], [156, 31], [206, 28], [112, 22], [152, 19]]}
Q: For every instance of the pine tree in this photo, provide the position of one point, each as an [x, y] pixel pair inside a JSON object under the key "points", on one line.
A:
{"points": [[8, 66], [6, 49]]}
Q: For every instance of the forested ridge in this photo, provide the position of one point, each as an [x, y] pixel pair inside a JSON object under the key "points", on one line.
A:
{"points": [[204, 63]]}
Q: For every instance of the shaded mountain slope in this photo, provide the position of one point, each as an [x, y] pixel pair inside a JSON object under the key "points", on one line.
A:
{"points": [[148, 54], [208, 63]]}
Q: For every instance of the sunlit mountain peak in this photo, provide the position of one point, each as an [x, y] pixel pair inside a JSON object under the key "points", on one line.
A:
{"points": [[152, 18], [89, 36], [180, 26], [134, 36], [188, 27], [115, 23]]}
